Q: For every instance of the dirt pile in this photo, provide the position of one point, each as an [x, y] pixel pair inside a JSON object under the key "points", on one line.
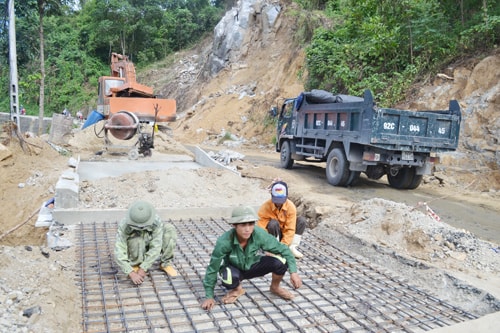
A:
{"points": [[415, 233], [28, 179], [38, 290]]}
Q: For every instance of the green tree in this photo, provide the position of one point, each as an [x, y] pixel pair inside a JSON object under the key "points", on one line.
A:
{"points": [[71, 73], [45, 8], [144, 30], [106, 27], [378, 44]]}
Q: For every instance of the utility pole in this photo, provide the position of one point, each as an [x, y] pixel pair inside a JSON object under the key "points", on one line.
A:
{"points": [[14, 86]]}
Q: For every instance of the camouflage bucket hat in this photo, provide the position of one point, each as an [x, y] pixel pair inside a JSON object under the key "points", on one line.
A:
{"points": [[141, 214], [243, 215]]}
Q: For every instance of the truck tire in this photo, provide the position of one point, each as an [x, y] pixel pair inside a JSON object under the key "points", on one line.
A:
{"points": [[400, 179], [337, 168], [417, 179], [353, 176], [286, 160]]}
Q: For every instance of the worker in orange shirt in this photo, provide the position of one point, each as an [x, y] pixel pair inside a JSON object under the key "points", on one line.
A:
{"points": [[278, 216]]}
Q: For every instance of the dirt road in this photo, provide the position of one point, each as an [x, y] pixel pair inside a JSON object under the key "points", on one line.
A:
{"points": [[478, 213]]}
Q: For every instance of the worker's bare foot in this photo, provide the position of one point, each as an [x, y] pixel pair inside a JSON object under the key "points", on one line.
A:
{"points": [[283, 293], [233, 295]]}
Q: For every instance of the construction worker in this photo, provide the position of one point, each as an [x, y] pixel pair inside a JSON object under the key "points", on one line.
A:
{"points": [[246, 252], [278, 216], [142, 237]]}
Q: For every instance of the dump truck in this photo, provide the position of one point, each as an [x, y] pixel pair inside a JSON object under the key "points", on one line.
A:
{"points": [[353, 136], [127, 106]]}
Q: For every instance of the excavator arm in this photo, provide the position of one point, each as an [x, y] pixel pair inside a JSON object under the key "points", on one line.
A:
{"points": [[123, 68]]}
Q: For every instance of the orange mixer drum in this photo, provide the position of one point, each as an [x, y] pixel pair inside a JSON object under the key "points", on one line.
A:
{"points": [[122, 125]]}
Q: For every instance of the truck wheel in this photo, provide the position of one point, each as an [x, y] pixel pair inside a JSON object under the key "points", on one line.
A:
{"points": [[417, 179], [286, 160], [400, 178], [353, 176], [337, 168]]}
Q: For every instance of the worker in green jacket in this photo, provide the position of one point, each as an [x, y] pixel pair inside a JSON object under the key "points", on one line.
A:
{"points": [[142, 237], [245, 252]]}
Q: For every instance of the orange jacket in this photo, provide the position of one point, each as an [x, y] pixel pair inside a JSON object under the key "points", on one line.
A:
{"points": [[287, 218]]}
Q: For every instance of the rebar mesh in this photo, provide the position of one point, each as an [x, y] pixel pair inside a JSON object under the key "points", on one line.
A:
{"points": [[340, 293]]}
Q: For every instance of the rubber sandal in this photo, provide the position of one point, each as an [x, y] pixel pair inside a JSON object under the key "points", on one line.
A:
{"points": [[169, 270]]}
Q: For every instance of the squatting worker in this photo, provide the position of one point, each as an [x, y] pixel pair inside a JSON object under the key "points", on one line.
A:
{"points": [[278, 216], [243, 253], [141, 239]]}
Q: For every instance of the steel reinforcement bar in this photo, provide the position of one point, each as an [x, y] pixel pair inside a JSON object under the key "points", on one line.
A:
{"points": [[341, 293]]}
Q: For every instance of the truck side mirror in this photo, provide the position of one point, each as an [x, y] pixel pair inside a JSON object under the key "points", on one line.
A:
{"points": [[273, 112]]}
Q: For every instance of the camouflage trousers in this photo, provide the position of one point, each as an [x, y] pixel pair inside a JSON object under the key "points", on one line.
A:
{"points": [[138, 247]]}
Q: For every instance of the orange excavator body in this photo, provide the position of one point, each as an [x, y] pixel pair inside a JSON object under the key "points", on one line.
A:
{"points": [[121, 92]]}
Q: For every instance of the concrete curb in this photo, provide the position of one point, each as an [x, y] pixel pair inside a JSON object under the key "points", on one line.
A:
{"points": [[75, 216], [202, 158]]}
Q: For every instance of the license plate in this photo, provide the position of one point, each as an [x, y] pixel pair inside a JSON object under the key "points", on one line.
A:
{"points": [[407, 155]]}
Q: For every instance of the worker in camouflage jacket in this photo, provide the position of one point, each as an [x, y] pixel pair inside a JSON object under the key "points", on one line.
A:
{"points": [[142, 237]]}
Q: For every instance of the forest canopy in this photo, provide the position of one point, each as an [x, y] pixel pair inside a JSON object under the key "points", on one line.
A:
{"points": [[79, 37], [386, 44]]}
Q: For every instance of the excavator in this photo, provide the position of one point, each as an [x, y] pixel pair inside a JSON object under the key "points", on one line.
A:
{"points": [[127, 107]]}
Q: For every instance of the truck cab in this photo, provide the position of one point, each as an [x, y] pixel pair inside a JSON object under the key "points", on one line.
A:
{"points": [[285, 132]]}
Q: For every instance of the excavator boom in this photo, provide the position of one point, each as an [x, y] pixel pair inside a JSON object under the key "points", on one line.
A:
{"points": [[123, 68]]}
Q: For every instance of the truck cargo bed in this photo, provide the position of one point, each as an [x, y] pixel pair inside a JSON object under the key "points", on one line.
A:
{"points": [[362, 122]]}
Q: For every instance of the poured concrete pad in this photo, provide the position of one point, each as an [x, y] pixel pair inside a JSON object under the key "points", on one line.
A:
{"points": [[92, 170]]}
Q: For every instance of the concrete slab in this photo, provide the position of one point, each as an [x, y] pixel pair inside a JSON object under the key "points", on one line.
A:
{"points": [[204, 159], [67, 188], [92, 170]]}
